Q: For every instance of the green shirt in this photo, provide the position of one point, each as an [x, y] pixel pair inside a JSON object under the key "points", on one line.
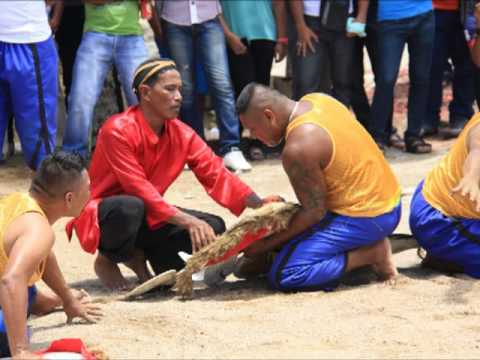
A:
{"points": [[116, 18]]}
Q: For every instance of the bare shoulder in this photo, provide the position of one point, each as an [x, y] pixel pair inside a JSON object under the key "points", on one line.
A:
{"points": [[309, 142], [473, 137], [30, 225]]}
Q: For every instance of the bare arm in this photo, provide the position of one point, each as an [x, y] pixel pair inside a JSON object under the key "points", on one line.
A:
{"points": [[362, 11], [57, 15], [155, 23], [306, 37], [303, 164], [30, 246], [72, 306], [469, 185], [280, 12], [233, 41]]}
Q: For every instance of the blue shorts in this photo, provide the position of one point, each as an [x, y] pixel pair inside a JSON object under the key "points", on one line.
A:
{"points": [[453, 240], [316, 259], [28, 92], [4, 349]]}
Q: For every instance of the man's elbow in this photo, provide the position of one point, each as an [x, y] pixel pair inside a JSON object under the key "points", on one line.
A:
{"points": [[8, 282]]}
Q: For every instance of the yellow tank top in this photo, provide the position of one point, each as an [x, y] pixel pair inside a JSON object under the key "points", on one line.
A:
{"points": [[359, 181], [11, 207], [446, 175]]}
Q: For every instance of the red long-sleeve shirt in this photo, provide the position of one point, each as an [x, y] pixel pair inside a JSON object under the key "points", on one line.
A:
{"points": [[130, 158]]}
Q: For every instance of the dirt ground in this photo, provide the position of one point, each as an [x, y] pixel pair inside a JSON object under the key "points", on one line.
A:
{"points": [[425, 315]]}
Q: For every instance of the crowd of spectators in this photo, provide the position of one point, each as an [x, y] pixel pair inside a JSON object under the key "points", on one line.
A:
{"points": [[220, 46]]}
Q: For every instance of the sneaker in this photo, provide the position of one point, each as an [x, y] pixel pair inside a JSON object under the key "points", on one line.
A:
{"points": [[235, 161]]}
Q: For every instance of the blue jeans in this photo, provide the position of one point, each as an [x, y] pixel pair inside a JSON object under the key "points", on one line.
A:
{"points": [[95, 56], [450, 43], [207, 42], [418, 33]]}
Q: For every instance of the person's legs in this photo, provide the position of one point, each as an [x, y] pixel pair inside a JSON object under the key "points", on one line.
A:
{"points": [[93, 60], [453, 244], [33, 84], [442, 42], [460, 107], [318, 258], [162, 245], [120, 220], [420, 45], [180, 42], [263, 52], [392, 37], [359, 100], [242, 69], [5, 97], [211, 48], [130, 52], [311, 70], [341, 53]]}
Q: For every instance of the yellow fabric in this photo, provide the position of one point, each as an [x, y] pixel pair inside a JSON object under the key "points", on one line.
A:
{"points": [[446, 175], [359, 181], [12, 207]]}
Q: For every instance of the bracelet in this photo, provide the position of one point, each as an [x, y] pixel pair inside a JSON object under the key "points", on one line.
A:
{"points": [[283, 40]]}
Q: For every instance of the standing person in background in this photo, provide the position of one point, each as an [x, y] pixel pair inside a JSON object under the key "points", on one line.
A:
{"points": [[68, 37], [323, 39], [402, 22], [255, 33], [450, 43], [192, 30], [28, 77], [112, 35]]}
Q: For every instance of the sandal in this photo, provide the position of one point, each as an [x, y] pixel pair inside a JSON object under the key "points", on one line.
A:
{"points": [[416, 145], [396, 141]]}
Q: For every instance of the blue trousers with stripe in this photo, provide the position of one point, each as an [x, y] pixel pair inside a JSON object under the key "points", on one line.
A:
{"points": [[453, 240], [316, 259], [28, 92]]}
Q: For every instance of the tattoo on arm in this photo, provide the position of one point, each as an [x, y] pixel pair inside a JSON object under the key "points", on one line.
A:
{"points": [[308, 185]]}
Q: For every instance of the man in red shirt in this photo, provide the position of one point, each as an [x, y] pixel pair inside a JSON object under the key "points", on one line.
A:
{"points": [[139, 154]]}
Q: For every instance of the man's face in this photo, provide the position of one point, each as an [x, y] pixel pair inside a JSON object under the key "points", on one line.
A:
{"points": [[78, 197], [260, 123], [165, 95]]}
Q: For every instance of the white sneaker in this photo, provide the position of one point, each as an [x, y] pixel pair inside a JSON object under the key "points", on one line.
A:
{"points": [[235, 161]]}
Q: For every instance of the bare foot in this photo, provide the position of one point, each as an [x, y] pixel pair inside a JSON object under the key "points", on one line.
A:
{"points": [[138, 265], [109, 274], [385, 267]]}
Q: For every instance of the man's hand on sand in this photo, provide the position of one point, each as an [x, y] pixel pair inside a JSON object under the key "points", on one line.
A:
{"points": [[469, 188], [83, 309]]}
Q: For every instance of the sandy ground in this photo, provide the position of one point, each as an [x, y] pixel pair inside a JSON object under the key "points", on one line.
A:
{"points": [[425, 315]]}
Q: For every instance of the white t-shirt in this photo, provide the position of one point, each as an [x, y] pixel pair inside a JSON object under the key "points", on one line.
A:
{"points": [[23, 22]]}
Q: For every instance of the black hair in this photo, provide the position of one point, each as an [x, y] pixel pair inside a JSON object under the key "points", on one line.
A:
{"points": [[57, 172], [245, 97], [153, 78]]}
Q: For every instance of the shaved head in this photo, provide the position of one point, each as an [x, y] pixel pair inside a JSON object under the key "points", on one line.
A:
{"points": [[256, 96]]}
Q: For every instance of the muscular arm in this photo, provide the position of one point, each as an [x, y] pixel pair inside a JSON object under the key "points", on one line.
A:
{"points": [[30, 245], [306, 152], [469, 185]]}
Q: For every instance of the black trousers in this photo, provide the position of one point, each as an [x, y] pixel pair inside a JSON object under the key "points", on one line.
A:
{"points": [[123, 229], [253, 66], [68, 37]]}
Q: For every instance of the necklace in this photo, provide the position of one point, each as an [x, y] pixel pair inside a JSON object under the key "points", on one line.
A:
{"points": [[293, 111]]}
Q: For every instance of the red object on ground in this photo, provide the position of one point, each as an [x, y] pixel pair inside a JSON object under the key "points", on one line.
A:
{"points": [[248, 239], [68, 345]]}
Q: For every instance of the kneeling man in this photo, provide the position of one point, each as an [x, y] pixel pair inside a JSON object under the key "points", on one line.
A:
{"points": [[445, 209], [350, 198], [139, 154], [60, 187]]}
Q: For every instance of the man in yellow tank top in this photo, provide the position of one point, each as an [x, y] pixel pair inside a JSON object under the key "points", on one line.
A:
{"points": [[349, 196], [60, 187], [445, 209]]}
